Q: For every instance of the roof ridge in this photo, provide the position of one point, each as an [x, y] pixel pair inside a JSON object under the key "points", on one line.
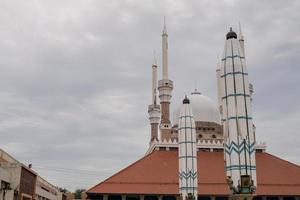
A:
{"points": [[122, 170], [283, 160]]}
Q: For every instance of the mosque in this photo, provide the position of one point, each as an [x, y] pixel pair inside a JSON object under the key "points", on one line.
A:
{"points": [[209, 151]]}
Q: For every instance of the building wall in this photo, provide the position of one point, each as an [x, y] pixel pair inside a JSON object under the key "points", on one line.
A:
{"points": [[22, 180], [5, 178], [27, 184], [10, 173], [204, 131], [47, 191]]}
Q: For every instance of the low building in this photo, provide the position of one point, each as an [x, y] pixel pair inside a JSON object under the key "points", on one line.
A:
{"points": [[47, 191], [18, 181]]}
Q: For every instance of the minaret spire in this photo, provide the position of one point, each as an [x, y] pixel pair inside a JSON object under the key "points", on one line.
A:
{"points": [[241, 39], [219, 87], [187, 152], [154, 108], [165, 26], [239, 138], [165, 87], [154, 79], [165, 51]]}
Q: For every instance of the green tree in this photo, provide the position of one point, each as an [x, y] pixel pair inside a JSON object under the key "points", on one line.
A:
{"points": [[78, 192], [63, 190]]}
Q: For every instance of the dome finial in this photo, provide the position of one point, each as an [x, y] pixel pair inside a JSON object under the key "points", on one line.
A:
{"points": [[195, 92], [231, 34], [186, 100]]}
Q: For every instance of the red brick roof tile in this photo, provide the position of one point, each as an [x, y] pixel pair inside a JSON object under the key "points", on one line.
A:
{"points": [[157, 173]]}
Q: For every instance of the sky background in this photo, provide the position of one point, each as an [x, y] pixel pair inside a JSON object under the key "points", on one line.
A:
{"points": [[75, 76]]}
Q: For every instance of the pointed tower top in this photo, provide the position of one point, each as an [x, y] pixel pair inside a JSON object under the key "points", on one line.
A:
{"points": [[186, 100], [165, 26], [195, 92], [154, 58], [241, 36], [231, 34]]}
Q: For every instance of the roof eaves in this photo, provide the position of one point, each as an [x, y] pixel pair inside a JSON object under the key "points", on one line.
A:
{"points": [[122, 170]]}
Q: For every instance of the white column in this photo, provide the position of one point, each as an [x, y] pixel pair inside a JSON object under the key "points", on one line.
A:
{"points": [[236, 111], [241, 40], [187, 139], [165, 51], [154, 83]]}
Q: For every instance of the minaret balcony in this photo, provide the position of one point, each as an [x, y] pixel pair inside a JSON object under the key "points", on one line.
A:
{"points": [[165, 84], [153, 108]]}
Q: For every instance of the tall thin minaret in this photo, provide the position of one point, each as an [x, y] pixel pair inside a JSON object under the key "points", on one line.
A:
{"points": [[154, 108], [165, 87], [241, 40], [219, 86], [239, 139], [187, 152]]}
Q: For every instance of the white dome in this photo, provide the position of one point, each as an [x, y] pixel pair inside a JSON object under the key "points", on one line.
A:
{"points": [[203, 108]]}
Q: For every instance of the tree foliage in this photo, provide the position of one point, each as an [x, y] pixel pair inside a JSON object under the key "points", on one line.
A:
{"points": [[78, 192]]}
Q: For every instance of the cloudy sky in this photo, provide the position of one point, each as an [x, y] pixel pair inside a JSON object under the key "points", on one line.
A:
{"points": [[75, 76]]}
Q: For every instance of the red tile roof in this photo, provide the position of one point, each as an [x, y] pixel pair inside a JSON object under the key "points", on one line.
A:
{"points": [[157, 173]]}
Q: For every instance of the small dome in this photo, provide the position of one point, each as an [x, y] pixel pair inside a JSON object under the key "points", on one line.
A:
{"points": [[203, 108], [186, 100], [231, 34]]}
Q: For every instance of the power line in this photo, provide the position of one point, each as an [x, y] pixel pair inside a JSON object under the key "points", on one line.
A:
{"points": [[73, 171]]}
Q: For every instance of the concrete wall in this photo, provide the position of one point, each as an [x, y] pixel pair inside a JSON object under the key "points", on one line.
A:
{"points": [[10, 173], [45, 190]]}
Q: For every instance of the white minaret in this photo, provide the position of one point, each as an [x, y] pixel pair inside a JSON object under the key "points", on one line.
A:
{"points": [[239, 140], [187, 152], [219, 86], [165, 51], [241, 40], [165, 87], [154, 108]]}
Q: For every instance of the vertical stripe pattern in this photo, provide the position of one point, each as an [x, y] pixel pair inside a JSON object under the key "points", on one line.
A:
{"points": [[188, 176], [239, 142]]}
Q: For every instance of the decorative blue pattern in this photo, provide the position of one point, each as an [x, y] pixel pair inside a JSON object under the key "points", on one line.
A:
{"points": [[239, 148], [187, 142], [186, 116], [188, 188], [234, 73], [235, 95], [238, 167], [187, 157], [190, 174], [235, 56], [238, 117]]}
